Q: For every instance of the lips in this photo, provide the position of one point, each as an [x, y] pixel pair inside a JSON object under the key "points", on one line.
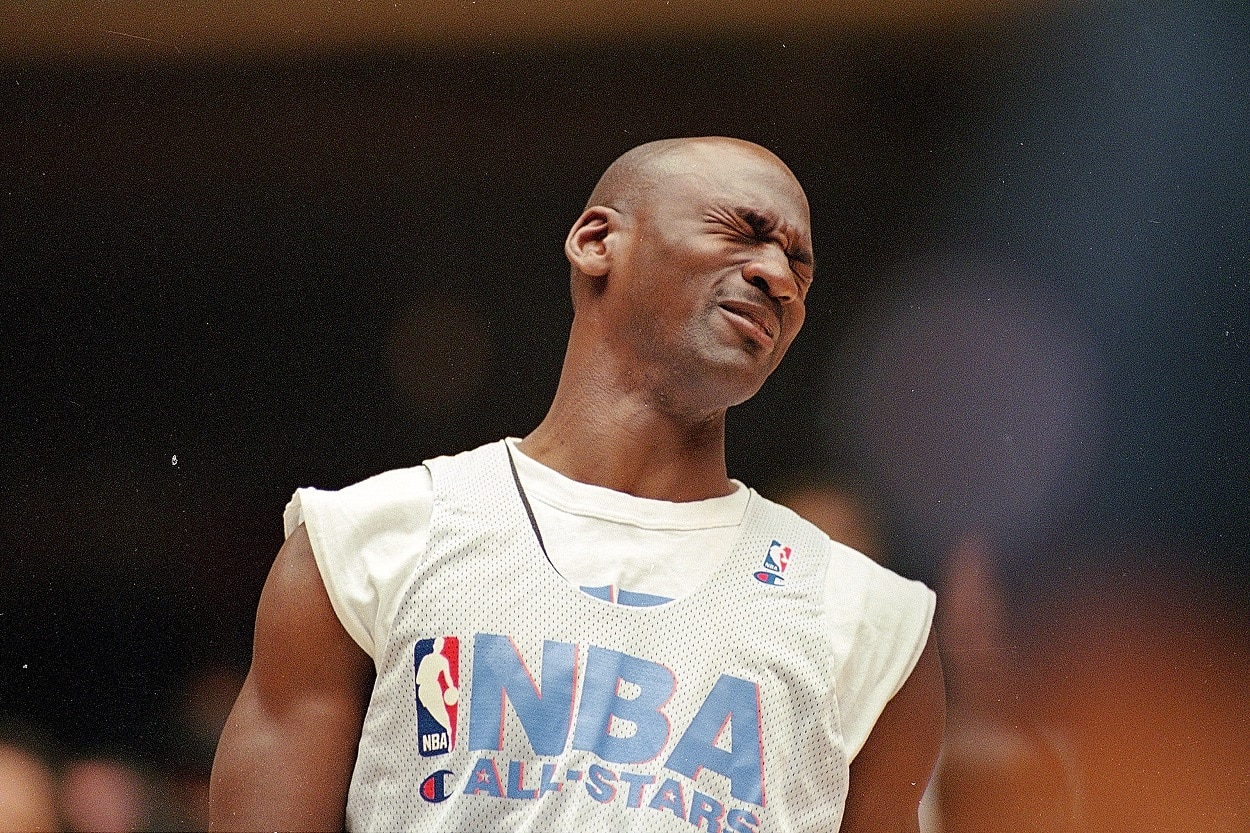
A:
{"points": [[760, 322]]}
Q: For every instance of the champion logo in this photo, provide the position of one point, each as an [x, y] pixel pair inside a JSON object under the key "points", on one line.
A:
{"points": [[776, 559], [435, 788]]}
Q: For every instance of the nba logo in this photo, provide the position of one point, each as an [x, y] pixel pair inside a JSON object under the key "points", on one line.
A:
{"points": [[776, 559], [437, 665]]}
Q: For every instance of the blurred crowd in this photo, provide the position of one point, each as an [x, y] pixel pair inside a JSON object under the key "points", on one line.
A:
{"points": [[48, 786], [1112, 700]]}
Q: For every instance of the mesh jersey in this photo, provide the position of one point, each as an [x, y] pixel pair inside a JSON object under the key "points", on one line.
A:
{"points": [[508, 700]]}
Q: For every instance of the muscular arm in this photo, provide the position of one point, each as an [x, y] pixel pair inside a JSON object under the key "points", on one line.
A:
{"points": [[889, 774], [285, 757]]}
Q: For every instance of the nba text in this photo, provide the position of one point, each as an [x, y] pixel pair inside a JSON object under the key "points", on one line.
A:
{"points": [[636, 790], [617, 691], [612, 705]]}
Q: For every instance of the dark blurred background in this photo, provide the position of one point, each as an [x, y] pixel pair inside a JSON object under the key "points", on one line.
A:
{"points": [[245, 249]]}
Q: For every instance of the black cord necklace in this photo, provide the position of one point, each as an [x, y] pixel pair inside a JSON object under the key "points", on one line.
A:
{"points": [[529, 510]]}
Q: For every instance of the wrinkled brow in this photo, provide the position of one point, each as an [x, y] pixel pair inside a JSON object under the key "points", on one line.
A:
{"points": [[765, 224]]}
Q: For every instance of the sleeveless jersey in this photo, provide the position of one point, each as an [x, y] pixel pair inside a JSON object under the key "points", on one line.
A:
{"points": [[507, 700]]}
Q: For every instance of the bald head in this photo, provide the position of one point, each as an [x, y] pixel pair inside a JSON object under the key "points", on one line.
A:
{"points": [[634, 176], [692, 252], [645, 180], [690, 269]]}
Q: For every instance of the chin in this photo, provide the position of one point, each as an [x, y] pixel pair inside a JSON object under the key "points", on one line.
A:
{"points": [[740, 383]]}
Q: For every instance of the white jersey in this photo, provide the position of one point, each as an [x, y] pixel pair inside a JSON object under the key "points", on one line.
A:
{"points": [[509, 700]]}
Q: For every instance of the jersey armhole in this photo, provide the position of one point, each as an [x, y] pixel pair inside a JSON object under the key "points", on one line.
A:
{"points": [[293, 516], [892, 618]]}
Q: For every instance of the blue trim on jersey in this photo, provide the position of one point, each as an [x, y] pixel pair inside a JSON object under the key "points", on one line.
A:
{"points": [[629, 598], [604, 592], [632, 599]]}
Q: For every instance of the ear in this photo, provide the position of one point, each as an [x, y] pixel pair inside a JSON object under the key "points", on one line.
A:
{"points": [[588, 247]]}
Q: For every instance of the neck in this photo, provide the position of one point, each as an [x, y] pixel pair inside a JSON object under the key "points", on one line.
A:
{"points": [[630, 440]]}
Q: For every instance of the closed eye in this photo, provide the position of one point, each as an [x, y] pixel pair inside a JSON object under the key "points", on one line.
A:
{"points": [[765, 228]]}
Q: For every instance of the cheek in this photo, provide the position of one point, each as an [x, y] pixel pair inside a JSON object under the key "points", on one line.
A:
{"points": [[791, 325], [795, 317]]}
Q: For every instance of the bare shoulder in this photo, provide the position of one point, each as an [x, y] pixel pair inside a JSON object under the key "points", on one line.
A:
{"points": [[285, 756], [300, 642], [889, 776]]}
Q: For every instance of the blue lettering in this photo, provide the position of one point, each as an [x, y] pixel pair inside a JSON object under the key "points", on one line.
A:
{"points": [[597, 785], [669, 797], [547, 782], [484, 779], [636, 782], [602, 702], [499, 672], [704, 808], [516, 775], [740, 821], [735, 702]]}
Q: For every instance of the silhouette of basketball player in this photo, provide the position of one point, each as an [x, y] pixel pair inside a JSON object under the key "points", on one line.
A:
{"points": [[432, 695]]}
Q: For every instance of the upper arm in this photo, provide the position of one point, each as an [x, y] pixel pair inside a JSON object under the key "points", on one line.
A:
{"points": [[889, 775], [286, 754]]}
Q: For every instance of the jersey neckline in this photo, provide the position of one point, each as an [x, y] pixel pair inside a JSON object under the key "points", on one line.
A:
{"points": [[545, 485]]}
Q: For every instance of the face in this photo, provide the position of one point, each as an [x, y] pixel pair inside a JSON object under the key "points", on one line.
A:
{"points": [[713, 271]]}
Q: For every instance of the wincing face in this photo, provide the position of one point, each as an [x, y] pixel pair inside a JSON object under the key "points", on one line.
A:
{"points": [[713, 271]]}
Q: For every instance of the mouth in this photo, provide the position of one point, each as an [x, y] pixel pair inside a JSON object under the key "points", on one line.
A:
{"points": [[758, 323]]}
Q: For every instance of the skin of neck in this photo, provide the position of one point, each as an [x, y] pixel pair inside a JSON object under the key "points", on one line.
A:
{"points": [[616, 424]]}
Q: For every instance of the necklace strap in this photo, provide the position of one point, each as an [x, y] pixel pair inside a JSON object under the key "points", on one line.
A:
{"points": [[525, 501]]}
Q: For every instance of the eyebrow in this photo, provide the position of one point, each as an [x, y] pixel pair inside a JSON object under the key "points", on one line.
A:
{"points": [[765, 224]]}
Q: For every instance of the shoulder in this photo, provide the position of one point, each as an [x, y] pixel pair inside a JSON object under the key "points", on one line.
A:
{"points": [[491, 459], [887, 593], [363, 538], [878, 625], [786, 521], [876, 609], [388, 498], [856, 586], [874, 596]]}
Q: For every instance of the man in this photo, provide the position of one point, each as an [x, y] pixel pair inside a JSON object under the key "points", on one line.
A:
{"points": [[635, 641]]}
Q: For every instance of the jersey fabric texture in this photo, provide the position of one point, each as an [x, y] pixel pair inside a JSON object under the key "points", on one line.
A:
{"points": [[507, 699]]}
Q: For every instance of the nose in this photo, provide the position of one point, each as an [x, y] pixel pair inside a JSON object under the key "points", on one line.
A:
{"points": [[769, 271]]}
